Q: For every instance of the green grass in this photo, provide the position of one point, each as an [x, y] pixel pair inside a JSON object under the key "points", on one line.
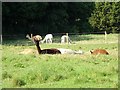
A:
{"points": [[61, 71]]}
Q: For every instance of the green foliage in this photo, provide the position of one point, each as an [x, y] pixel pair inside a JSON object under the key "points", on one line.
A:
{"points": [[60, 17], [45, 17], [105, 16]]}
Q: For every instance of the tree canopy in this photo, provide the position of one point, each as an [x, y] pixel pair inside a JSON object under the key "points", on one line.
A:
{"points": [[59, 17], [106, 16]]}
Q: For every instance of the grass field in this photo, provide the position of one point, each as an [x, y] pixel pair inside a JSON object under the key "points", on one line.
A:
{"points": [[61, 71]]}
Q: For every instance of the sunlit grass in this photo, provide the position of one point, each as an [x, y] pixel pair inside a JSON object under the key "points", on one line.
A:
{"points": [[61, 71]]}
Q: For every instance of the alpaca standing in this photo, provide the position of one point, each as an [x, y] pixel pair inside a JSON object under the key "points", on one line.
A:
{"points": [[99, 51], [48, 38], [64, 39]]}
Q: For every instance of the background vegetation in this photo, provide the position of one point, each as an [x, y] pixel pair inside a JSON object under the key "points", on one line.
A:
{"points": [[105, 17], [60, 17]]}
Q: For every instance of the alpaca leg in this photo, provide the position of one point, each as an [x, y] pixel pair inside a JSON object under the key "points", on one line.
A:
{"points": [[51, 40], [46, 40]]}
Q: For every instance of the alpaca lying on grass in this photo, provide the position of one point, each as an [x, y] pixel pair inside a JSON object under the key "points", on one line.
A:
{"points": [[69, 51], [99, 51], [44, 51], [53, 50], [37, 38]]}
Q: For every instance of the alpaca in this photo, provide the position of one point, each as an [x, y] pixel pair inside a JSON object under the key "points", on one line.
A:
{"points": [[48, 38], [99, 51], [30, 38], [69, 51], [33, 37], [53, 50], [64, 39], [44, 51]]}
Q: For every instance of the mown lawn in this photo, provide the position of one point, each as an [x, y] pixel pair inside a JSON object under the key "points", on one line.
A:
{"points": [[61, 71]]}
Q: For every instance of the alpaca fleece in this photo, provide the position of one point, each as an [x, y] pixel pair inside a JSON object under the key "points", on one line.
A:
{"points": [[99, 51]]}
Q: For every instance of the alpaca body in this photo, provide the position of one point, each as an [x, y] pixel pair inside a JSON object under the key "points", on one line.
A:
{"points": [[46, 51], [48, 38], [64, 39], [69, 51], [79, 52], [66, 51], [50, 51], [99, 51]]}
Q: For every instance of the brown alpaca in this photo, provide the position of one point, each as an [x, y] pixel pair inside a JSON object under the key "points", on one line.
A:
{"points": [[99, 51], [44, 51]]}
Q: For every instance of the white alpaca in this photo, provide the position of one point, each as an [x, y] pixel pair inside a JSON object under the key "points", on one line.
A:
{"points": [[69, 51], [48, 38], [64, 39]]}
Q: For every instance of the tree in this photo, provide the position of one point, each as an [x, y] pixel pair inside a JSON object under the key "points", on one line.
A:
{"points": [[105, 17], [46, 17], [78, 16], [22, 17]]}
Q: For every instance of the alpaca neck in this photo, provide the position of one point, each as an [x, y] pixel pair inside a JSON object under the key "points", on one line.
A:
{"points": [[38, 47], [43, 40], [30, 38]]}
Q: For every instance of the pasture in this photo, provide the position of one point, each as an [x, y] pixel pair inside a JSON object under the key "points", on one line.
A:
{"points": [[61, 71]]}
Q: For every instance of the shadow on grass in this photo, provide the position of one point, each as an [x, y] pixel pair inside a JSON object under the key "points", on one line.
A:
{"points": [[80, 37], [56, 39], [17, 42]]}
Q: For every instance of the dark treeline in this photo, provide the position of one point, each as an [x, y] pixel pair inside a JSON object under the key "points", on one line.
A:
{"points": [[59, 17]]}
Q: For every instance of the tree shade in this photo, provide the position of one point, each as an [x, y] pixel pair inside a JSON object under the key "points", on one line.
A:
{"points": [[59, 17]]}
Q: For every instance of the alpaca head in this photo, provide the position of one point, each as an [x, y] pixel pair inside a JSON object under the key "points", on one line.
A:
{"points": [[37, 38], [27, 36]]}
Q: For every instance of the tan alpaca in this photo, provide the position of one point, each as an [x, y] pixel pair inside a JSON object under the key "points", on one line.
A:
{"points": [[99, 51]]}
